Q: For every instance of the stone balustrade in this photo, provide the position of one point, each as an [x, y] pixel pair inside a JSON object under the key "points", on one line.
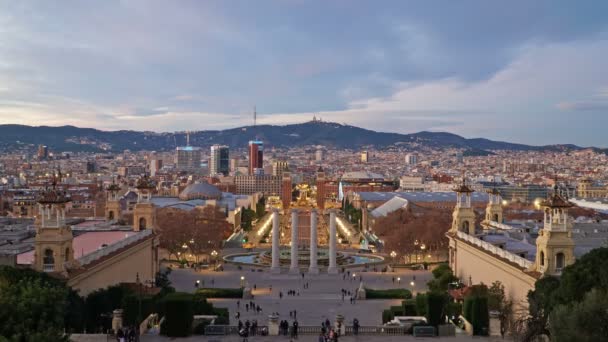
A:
{"points": [[516, 259]]}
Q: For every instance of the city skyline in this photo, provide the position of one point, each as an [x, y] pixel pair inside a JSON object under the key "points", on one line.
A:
{"points": [[473, 69]]}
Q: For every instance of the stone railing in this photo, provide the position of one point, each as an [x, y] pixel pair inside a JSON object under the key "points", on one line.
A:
{"points": [[500, 226], [89, 258], [516, 259]]}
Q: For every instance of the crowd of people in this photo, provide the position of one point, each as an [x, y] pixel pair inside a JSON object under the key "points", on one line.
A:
{"points": [[127, 334]]}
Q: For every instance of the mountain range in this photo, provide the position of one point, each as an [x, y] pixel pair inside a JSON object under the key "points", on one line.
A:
{"points": [[75, 139]]}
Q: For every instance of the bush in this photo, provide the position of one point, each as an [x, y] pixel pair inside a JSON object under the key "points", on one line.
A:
{"points": [[397, 310], [468, 308], [387, 316], [220, 293], [388, 294], [480, 316], [435, 303], [179, 311], [131, 307], [453, 309], [409, 307], [421, 304], [223, 317], [202, 306], [199, 329]]}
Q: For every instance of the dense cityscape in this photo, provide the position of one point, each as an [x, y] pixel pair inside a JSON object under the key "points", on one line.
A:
{"points": [[237, 175]]}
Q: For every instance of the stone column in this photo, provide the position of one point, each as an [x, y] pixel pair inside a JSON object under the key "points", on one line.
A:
{"points": [[313, 268], [273, 325], [294, 268], [276, 264], [332, 269]]}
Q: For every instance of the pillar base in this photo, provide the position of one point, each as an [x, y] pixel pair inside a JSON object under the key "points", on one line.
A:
{"points": [[332, 270], [313, 270], [275, 270], [294, 270]]}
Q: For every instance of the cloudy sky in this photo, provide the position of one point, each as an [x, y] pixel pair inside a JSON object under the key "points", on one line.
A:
{"points": [[523, 71]]}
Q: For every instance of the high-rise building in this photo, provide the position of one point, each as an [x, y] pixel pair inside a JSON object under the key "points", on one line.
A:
{"points": [[256, 157], [219, 162], [155, 166], [188, 158], [319, 154], [91, 167], [411, 159], [266, 184], [43, 152], [364, 157], [279, 167]]}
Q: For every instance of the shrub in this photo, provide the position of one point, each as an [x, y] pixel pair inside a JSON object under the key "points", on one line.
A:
{"points": [[131, 309], [179, 311], [388, 294], [480, 316], [201, 305], [220, 293], [387, 316], [397, 310], [409, 307], [223, 317], [453, 309], [199, 329], [468, 308], [421, 304], [435, 303]]}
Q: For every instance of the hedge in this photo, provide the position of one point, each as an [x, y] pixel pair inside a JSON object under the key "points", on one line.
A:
{"points": [[435, 303], [223, 317], [421, 304], [397, 310], [480, 317], [131, 308], [388, 294], [387, 316], [409, 307], [220, 293], [179, 312]]}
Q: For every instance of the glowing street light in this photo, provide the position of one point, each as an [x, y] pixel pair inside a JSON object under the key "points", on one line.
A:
{"points": [[242, 281], [399, 280]]}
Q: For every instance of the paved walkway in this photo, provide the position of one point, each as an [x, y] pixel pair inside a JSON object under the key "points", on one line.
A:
{"points": [[322, 299], [311, 338]]}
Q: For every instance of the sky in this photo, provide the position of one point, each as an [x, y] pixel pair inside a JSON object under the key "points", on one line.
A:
{"points": [[533, 72]]}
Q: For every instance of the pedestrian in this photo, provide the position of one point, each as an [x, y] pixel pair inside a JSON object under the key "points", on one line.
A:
{"points": [[294, 314], [393, 280], [280, 295], [321, 336], [247, 307], [356, 326], [254, 287], [295, 327], [238, 304]]}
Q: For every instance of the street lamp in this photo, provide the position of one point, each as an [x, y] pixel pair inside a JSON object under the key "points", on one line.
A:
{"points": [[242, 281], [214, 256], [393, 255], [198, 282], [398, 280]]}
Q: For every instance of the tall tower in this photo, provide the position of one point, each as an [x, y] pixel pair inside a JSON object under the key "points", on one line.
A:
{"points": [[320, 188], [53, 241], [144, 213], [554, 245], [494, 208], [286, 190], [256, 157], [113, 211], [463, 217]]}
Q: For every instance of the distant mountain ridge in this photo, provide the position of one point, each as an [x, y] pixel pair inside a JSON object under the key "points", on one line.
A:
{"points": [[70, 138]]}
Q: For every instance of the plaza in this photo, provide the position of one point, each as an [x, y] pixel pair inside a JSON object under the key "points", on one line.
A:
{"points": [[321, 300]]}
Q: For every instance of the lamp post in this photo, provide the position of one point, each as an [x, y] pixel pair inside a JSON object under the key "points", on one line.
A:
{"points": [[393, 255], [413, 285], [242, 281], [214, 256]]}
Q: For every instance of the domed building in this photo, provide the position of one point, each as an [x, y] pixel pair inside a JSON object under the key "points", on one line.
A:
{"points": [[203, 191]]}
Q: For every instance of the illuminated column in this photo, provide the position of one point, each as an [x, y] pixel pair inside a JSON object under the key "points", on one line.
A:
{"points": [[332, 269], [276, 266], [313, 268], [294, 242]]}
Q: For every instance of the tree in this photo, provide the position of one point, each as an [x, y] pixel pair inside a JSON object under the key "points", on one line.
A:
{"points": [[33, 306], [435, 307], [442, 277], [200, 230], [497, 301], [585, 321]]}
